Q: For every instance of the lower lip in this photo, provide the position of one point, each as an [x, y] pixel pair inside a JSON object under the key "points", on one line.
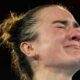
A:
{"points": [[73, 46]]}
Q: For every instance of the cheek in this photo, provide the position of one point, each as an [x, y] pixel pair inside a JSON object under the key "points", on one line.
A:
{"points": [[49, 47], [57, 35], [50, 54]]}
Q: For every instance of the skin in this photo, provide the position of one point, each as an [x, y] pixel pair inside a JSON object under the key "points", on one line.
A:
{"points": [[57, 46]]}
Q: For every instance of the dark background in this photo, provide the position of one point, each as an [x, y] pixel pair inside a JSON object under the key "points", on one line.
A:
{"points": [[20, 6]]}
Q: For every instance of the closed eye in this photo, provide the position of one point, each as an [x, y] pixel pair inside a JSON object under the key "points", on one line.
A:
{"points": [[60, 23], [60, 27], [65, 23]]}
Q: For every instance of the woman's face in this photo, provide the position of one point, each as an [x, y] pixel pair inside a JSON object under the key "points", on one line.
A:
{"points": [[58, 43]]}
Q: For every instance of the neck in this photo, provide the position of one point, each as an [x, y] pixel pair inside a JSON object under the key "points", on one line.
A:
{"points": [[48, 73]]}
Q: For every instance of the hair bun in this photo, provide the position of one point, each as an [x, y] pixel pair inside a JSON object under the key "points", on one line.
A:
{"points": [[7, 27]]}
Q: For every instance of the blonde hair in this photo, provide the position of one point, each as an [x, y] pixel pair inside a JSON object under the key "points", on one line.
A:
{"points": [[4, 32]]}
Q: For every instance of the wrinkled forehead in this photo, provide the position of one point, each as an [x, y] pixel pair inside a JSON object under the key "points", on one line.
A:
{"points": [[54, 12]]}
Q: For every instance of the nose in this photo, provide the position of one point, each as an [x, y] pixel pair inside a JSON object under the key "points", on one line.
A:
{"points": [[73, 34]]}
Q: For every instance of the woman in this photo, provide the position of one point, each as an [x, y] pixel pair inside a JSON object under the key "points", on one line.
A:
{"points": [[37, 46]]}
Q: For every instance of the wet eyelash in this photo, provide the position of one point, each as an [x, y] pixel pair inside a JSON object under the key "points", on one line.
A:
{"points": [[61, 27]]}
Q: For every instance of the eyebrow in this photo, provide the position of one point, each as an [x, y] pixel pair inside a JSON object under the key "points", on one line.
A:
{"points": [[65, 22], [61, 21]]}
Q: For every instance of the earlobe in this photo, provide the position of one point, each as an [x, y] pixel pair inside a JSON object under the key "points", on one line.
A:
{"points": [[27, 49]]}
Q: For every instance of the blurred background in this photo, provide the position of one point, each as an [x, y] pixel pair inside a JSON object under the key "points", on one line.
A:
{"points": [[21, 6]]}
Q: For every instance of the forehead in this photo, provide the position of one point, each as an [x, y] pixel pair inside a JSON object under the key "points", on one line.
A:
{"points": [[52, 12]]}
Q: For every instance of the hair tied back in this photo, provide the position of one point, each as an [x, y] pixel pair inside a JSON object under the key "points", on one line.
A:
{"points": [[6, 26]]}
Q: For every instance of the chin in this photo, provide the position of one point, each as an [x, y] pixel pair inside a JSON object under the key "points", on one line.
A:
{"points": [[73, 53]]}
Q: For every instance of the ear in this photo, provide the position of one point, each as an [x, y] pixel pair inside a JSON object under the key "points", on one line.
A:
{"points": [[27, 49]]}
